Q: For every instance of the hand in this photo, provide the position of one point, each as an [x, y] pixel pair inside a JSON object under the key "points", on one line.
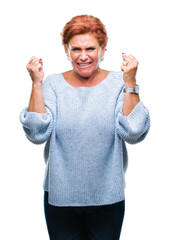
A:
{"points": [[35, 68], [129, 67]]}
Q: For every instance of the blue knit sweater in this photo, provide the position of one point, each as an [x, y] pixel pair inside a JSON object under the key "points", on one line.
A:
{"points": [[85, 134]]}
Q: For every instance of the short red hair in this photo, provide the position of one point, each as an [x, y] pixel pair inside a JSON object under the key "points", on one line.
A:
{"points": [[84, 24]]}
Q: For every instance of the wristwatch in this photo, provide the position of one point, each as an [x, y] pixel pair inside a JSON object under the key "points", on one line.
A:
{"points": [[135, 89]]}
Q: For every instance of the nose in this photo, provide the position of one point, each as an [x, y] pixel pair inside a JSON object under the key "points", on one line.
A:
{"points": [[83, 56]]}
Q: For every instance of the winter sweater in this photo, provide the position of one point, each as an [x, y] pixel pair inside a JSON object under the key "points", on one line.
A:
{"points": [[86, 134]]}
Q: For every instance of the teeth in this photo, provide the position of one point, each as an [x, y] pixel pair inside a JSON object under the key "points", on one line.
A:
{"points": [[83, 64]]}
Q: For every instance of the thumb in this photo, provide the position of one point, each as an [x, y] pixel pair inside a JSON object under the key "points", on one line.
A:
{"points": [[124, 56]]}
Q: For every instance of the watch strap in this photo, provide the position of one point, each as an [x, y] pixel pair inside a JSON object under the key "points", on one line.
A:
{"points": [[135, 89]]}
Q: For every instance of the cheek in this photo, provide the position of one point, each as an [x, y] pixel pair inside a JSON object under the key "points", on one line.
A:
{"points": [[73, 57]]}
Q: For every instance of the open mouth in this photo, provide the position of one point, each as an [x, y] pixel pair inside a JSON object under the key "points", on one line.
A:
{"points": [[84, 65]]}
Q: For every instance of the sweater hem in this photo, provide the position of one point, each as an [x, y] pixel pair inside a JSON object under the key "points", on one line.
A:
{"points": [[87, 205], [115, 199]]}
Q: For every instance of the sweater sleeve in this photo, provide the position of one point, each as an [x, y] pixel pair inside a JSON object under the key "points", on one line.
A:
{"points": [[38, 126], [134, 127]]}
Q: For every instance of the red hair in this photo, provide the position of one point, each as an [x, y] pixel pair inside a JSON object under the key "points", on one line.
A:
{"points": [[84, 24]]}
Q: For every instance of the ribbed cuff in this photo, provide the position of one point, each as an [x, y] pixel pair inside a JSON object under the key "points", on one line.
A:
{"points": [[133, 126]]}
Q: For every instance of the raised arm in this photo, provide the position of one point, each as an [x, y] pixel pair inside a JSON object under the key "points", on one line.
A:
{"points": [[37, 118], [132, 117], [35, 68]]}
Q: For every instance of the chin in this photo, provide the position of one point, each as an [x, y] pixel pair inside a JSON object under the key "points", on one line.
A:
{"points": [[85, 74]]}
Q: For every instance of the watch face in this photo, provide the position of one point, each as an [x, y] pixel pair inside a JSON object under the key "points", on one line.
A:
{"points": [[136, 88]]}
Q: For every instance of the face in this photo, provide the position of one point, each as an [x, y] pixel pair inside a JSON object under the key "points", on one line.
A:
{"points": [[85, 54]]}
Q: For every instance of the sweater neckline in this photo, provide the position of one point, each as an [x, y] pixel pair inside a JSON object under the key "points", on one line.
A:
{"points": [[103, 81]]}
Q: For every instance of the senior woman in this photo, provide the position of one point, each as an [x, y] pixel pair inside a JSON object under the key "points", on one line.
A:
{"points": [[85, 116]]}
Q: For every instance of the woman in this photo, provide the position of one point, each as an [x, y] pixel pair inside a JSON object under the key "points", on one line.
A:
{"points": [[85, 116]]}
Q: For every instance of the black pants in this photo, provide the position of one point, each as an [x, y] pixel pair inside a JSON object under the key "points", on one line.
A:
{"points": [[84, 223]]}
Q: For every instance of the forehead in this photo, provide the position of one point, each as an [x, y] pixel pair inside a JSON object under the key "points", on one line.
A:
{"points": [[83, 40]]}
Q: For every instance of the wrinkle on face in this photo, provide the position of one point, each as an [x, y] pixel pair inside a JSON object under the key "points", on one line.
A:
{"points": [[71, 60], [83, 54]]}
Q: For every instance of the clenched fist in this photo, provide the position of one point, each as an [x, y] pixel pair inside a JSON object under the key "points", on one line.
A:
{"points": [[129, 67], [35, 68]]}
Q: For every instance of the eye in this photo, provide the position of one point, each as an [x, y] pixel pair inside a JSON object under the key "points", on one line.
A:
{"points": [[90, 49], [79, 49], [76, 49]]}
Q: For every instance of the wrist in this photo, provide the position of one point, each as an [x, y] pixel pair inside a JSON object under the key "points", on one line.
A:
{"points": [[132, 89], [130, 84], [37, 85]]}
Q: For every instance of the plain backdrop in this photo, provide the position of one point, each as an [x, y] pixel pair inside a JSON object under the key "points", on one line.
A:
{"points": [[32, 28]]}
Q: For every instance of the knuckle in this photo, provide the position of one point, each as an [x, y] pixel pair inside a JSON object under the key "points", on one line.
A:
{"points": [[31, 69], [28, 67]]}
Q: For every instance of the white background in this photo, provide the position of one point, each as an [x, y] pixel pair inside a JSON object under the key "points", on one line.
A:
{"points": [[32, 28]]}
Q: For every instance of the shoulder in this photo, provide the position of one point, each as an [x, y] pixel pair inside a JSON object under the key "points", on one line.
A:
{"points": [[54, 82], [116, 78], [113, 74], [117, 74], [114, 83], [50, 78]]}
